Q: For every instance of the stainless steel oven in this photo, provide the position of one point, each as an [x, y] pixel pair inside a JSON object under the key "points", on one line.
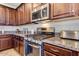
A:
{"points": [[32, 49]]}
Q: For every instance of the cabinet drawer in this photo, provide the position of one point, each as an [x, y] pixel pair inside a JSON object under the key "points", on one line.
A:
{"points": [[48, 54], [57, 50]]}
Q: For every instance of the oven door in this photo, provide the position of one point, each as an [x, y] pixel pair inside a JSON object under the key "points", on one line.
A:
{"points": [[45, 11], [35, 50], [32, 50]]}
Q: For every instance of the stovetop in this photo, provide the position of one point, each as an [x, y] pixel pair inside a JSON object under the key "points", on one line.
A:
{"points": [[41, 37], [38, 38]]}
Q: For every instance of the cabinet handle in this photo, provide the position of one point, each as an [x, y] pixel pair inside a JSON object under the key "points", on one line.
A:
{"points": [[54, 50]]}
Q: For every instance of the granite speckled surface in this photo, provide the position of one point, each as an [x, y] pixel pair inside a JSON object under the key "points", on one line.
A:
{"points": [[65, 43]]}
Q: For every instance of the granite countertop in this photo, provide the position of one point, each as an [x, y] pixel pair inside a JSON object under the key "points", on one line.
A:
{"points": [[65, 43], [33, 40]]}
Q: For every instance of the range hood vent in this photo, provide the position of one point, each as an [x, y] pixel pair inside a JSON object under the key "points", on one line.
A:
{"points": [[41, 21]]}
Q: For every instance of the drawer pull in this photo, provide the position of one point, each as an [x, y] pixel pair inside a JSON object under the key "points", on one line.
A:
{"points": [[54, 50]]}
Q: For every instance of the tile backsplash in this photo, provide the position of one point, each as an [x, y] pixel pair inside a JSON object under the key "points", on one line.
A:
{"points": [[7, 29], [62, 25]]}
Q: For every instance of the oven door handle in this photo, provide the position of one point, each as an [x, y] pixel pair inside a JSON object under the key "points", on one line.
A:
{"points": [[34, 46]]}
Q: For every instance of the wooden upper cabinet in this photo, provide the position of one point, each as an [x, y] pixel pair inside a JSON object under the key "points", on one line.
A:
{"points": [[24, 13], [21, 14], [18, 16], [7, 16], [2, 15], [10, 16], [28, 12], [61, 10]]}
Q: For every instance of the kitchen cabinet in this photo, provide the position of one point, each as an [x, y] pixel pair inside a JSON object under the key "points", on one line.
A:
{"points": [[21, 46], [62, 10], [0, 44], [2, 15], [16, 43], [52, 50], [21, 14], [7, 16], [24, 13], [12, 41], [10, 16], [28, 13], [5, 43], [18, 16], [17, 19]]}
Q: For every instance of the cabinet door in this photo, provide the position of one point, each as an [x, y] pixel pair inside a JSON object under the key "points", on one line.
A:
{"points": [[4, 43], [17, 45], [28, 13], [16, 19], [22, 48], [57, 50], [10, 45], [12, 17], [18, 15], [7, 16], [21, 14], [2, 15], [0, 44], [60, 10]]}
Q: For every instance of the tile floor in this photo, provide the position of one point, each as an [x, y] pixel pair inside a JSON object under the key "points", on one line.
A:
{"points": [[9, 52]]}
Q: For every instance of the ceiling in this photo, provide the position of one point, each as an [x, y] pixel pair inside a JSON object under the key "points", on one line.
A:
{"points": [[12, 5]]}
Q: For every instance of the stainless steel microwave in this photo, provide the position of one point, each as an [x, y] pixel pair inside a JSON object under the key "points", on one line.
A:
{"points": [[36, 15], [45, 11], [40, 13]]}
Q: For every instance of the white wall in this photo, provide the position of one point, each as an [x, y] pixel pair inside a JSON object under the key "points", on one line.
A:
{"points": [[63, 25]]}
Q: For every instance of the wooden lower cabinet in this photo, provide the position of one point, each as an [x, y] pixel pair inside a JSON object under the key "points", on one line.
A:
{"points": [[5, 43], [48, 54], [16, 42], [21, 48], [19, 44], [52, 50], [13, 41]]}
